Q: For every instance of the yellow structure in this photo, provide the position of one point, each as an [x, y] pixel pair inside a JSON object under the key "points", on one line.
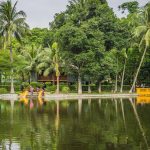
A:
{"points": [[143, 91]]}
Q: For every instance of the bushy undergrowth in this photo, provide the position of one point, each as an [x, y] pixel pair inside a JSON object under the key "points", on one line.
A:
{"points": [[3, 91], [65, 89]]}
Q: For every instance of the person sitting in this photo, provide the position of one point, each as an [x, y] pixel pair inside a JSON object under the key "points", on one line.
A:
{"points": [[38, 89]]}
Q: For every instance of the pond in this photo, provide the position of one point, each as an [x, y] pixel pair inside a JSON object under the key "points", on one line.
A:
{"points": [[92, 124]]}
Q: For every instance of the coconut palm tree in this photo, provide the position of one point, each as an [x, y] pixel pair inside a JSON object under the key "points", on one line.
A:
{"points": [[143, 32], [12, 25], [31, 55], [50, 61], [56, 63], [45, 62]]}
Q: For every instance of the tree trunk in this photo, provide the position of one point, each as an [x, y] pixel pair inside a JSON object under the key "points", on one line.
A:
{"points": [[100, 87], [53, 77], [122, 81], [79, 84], [23, 78], [89, 88], [33, 76], [29, 79], [116, 83], [138, 70], [57, 90], [12, 90]]}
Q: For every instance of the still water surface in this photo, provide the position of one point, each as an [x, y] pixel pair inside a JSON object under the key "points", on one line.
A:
{"points": [[93, 124]]}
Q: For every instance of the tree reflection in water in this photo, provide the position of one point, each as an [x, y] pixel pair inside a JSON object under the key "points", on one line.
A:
{"points": [[74, 124], [79, 107], [132, 101]]}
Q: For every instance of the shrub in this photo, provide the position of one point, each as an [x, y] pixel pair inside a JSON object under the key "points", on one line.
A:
{"points": [[73, 87], [51, 88], [65, 89], [61, 85], [36, 84], [25, 84], [33, 84], [7, 87], [3, 91], [48, 84], [39, 84], [17, 87], [107, 88]]}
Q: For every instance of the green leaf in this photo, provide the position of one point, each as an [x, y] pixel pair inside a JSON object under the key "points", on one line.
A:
{"points": [[147, 38]]}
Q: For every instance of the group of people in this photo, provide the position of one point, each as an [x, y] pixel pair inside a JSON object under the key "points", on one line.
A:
{"points": [[32, 90]]}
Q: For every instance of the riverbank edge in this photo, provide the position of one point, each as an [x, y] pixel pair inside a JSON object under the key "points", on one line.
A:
{"points": [[9, 96], [72, 96]]}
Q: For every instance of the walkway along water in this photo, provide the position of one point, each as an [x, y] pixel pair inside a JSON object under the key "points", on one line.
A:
{"points": [[69, 96]]}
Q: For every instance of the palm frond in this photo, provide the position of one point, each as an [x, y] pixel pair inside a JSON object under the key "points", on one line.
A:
{"points": [[140, 30], [147, 38], [47, 71]]}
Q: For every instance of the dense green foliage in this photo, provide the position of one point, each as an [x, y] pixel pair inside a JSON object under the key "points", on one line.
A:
{"points": [[3, 91], [93, 47]]}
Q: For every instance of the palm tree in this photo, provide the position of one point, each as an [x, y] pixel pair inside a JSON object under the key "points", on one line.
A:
{"points": [[12, 25], [45, 62], [143, 32], [56, 63], [50, 61], [31, 55]]}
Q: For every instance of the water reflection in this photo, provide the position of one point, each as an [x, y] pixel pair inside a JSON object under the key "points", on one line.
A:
{"points": [[79, 107], [139, 122], [143, 100], [105, 124], [123, 113], [57, 116]]}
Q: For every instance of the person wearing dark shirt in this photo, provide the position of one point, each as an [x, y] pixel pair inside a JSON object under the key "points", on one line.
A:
{"points": [[44, 86], [22, 87]]}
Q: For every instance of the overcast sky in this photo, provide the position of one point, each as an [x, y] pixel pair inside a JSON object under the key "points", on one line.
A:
{"points": [[41, 12]]}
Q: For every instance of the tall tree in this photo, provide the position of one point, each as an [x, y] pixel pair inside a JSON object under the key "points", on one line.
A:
{"points": [[12, 24], [31, 54], [142, 32], [131, 7], [50, 61], [56, 63]]}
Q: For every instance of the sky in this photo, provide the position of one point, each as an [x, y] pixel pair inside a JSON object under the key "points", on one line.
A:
{"points": [[41, 12]]}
